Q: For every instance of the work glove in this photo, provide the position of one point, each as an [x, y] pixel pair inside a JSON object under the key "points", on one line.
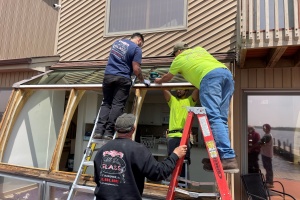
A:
{"points": [[147, 82], [133, 80]]}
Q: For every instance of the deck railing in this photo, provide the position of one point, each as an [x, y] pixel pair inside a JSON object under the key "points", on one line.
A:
{"points": [[269, 22]]}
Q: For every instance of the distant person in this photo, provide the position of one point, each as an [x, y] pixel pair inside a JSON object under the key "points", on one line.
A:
{"points": [[121, 165], [216, 85], [124, 59], [266, 152], [177, 119], [253, 150]]}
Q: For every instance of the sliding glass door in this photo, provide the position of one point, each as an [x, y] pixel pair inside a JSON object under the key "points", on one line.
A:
{"points": [[276, 117]]}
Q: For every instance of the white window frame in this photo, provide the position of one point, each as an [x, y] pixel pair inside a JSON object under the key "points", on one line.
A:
{"points": [[183, 27]]}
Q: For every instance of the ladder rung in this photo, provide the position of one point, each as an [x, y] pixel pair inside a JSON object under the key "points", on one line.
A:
{"points": [[82, 188], [88, 163], [196, 194], [99, 141]]}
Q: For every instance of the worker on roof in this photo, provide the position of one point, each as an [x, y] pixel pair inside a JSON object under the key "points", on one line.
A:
{"points": [[125, 58], [216, 86]]}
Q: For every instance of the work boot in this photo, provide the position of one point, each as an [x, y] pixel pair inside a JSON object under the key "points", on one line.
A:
{"points": [[97, 136], [107, 137], [98, 133], [229, 166]]}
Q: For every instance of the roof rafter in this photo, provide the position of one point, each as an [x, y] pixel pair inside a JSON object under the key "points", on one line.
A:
{"points": [[297, 59], [275, 55]]}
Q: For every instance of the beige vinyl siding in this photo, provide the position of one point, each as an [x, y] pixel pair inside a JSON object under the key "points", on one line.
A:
{"points": [[211, 24], [28, 28], [270, 78], [7, 79]]}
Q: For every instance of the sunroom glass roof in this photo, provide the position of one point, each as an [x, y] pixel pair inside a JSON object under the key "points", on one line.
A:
{"points": [[88, 76]]}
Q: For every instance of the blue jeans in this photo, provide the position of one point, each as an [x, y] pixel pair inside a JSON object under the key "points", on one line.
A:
{"points": [[216, 89], [115, 94]]}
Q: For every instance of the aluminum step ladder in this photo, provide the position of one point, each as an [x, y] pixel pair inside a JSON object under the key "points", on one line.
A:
{"points": [[86, 159], [85, 163], [211, 148]]}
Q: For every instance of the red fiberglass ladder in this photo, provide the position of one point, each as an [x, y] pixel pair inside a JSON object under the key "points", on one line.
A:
{"points": [[211, 148]]}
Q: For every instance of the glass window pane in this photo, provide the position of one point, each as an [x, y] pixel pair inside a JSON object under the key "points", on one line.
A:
{"points": [[282, 113], [271, 9], [13, 188], [133, 15], [56, 191], [87, 76], [36, 130]]}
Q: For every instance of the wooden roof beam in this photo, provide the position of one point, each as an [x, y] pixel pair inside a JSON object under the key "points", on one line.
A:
{"points": [[74, 99], [275, 55], [297, 59]]}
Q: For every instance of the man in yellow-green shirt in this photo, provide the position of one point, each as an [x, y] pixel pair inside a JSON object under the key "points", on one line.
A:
{"points": [[216, 86], [178, 115]]}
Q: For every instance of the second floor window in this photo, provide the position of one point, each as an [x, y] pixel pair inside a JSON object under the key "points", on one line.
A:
{"points": [[129, 16]]}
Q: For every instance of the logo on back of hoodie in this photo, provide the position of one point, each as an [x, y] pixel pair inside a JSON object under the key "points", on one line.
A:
{"points": [[113, 168]]}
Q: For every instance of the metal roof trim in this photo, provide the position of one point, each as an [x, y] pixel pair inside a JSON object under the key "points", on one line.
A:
{"points": [[97, 86]]}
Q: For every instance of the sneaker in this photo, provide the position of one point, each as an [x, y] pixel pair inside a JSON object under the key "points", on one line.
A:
{"points": [[98, 133], [269, 185], [229, 166], [97, 136], [107, 137]]}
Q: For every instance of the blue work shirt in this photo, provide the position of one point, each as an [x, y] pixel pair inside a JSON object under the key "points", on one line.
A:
{"points": [[122, 53]]}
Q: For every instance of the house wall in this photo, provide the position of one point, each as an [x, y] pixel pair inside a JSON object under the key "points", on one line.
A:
{"points": [[257, 79], [7, 79], [28, 28], [211, 24]]}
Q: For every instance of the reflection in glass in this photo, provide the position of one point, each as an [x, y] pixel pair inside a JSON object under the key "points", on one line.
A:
{"points": [[282, 113], [12, 188]]}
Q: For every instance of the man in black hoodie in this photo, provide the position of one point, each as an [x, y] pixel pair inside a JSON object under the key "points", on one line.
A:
{"points": [[121, 165]]}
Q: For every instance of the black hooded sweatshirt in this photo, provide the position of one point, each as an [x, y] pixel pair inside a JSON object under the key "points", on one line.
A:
{"points": [[121, 166]]}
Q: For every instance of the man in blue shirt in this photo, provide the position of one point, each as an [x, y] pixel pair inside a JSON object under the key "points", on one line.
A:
{"points": [[124, 59]]}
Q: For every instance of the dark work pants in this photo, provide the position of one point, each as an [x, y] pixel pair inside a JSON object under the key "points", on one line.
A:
{"points": [[115, 94], [172, 144], [253, 166], [267, 163]]}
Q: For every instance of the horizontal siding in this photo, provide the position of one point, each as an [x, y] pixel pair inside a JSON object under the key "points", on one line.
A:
{"points": [[211, 24], [7, 79], [270, 78], [28, 28]]}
